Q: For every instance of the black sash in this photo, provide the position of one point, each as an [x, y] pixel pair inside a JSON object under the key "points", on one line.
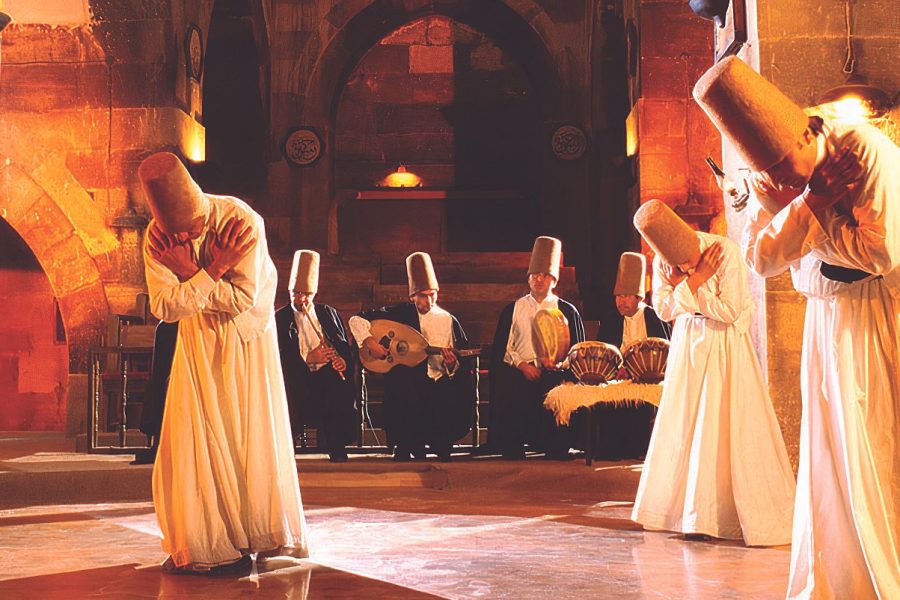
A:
{"points": [[842, 274]]}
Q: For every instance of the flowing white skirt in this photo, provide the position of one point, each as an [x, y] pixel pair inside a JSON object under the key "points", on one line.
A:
{"points": [[846, 527], [716, 463], [225, 478]]}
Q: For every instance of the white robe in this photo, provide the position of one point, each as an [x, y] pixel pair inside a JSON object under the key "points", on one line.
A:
{"points": [[225, 479], [846, 537], [716, 463]]}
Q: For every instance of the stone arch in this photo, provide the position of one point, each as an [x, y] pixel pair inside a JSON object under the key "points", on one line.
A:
{"points": [[521, 26], [74, 277]]}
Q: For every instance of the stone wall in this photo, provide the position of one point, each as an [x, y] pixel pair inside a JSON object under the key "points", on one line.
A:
{"points": [[674, 135], [801, 47], [90, 87]]}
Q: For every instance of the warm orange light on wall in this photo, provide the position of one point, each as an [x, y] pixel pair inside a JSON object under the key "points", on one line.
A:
{"points": [[631, 132], [194, 142], [402, 178]]}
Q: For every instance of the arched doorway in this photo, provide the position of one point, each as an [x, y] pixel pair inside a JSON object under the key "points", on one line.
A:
{"points": [[34, 356], [459, 110]]}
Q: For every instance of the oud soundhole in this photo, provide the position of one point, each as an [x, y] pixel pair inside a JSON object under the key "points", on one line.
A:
{"points": [[402, 347]]}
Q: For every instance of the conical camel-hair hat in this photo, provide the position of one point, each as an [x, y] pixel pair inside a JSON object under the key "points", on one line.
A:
{"points": [[420, 273], [763, 124], [305, 272], [546, 256], [174, 197], [669, 236], [631, 278]]}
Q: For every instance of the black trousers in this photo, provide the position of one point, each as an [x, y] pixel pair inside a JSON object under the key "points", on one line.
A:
{"points": [[329, 405], [422, 412], [519, 416]]}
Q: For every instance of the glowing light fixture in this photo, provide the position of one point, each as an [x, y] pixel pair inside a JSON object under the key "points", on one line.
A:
{"points": [[402, 178], [855, 101], [194, 142], [632, 140]]}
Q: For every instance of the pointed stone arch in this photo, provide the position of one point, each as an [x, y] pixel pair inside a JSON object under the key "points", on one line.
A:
{"points": [[71, 269]]}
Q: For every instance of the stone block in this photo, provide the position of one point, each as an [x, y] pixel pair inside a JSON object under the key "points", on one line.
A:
{"points": [[38, 88], [136, 85], [393, 89], [568, 12], [356, 116], [465, 35], [431, 59], [68, 266], [433, 89], [138, 41], [130, 10], [40, 43], [384, 59], [413, 118], [664, 167], [278, 235], [486, 57], [662, 117], [439, 32], [673, 30], [287, 45], [777, 20], [803, 68], [664, 78], [351, 146], [422, 147], [76, 404], [18, 194], [413, 33]]}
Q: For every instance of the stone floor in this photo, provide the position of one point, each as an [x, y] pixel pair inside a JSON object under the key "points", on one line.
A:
{"points": [[474, 528]]}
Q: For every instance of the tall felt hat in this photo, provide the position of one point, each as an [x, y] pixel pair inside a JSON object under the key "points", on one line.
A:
{"points": [[762, 123], [546, 256], [174, 197], [305, 272], [420, 273], [631, 278], [669, 236]]}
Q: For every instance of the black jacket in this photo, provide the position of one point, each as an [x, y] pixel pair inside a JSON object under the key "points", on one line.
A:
{"points": [[404, 419], [611, 329]]}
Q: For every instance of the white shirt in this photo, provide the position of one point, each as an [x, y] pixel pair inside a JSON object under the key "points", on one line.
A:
{"points": [[634, 328], [307, 338], [520, 347], [437, 327], [858, 240], [245, 295]]}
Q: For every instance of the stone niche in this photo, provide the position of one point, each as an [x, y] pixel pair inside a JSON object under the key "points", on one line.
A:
{"points": [[445, 101]]}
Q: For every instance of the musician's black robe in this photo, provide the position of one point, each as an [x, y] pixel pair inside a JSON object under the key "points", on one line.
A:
{"points": [[417, 410], [320, 399], [624, 431], [155, 399], [517, 413]]}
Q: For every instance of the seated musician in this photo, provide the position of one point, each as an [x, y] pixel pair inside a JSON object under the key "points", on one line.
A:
{"points": [[624, 432], [433, 403], [317, 362], [519, 380]]}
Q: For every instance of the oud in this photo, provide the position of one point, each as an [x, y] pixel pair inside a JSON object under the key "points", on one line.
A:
{"points": [[405, 346]]}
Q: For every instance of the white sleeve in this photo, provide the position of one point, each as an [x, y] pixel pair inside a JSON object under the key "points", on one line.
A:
{"points": [[725, 301], [360, 328], [671, 302], [172, 300], [771, 244]]}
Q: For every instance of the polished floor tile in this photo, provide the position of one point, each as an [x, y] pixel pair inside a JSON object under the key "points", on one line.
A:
{"points": [[112, 551]]}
